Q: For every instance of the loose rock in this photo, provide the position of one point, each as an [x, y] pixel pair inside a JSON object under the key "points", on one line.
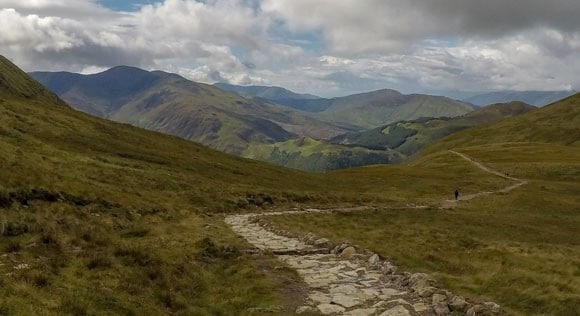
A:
{"points": [[348, 252], [330, 309], [458, 304], [374, 260], [305, 309], [396, 311]]}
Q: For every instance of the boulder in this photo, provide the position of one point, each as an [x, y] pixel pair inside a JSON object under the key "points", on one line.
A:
{"points": [[441, 310], [348, 252], [458, 304], [492, 307], [306, 309], [388, 268], [361, 312], [396, 311], [439, 299], [345, 300], [374, 260], [475, 310], [323, 243], [421, 280], [330, 309], [306, 237]]}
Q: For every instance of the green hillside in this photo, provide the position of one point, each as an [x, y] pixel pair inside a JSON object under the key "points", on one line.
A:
{"points": [[14, 82], [311, 155], [171, 104], [408, 137], [521, 248], [372, 109], [555, 123]]}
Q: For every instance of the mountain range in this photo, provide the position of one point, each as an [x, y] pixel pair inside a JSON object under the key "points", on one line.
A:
{"points": [[283, 96], [362, 110], [239, 125], [536, 98], [171, 104]]}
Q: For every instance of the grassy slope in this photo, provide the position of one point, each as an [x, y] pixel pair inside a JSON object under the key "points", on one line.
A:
{"points": [[368, 110], [408, 137], [310, 155], [520, 249], [101, 218], [554, 123]]}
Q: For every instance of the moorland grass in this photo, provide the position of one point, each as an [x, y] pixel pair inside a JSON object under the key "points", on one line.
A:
{"points": [[110, 218], [520, 249]]}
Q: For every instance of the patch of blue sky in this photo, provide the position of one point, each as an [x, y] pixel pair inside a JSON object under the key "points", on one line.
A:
{"points": [[126, 5]]}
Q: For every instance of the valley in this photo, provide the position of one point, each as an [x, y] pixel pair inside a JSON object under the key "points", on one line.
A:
{"points": [[262, 123]]}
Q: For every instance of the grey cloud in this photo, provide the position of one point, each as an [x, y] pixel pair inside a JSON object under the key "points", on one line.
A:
{"points": [[352, 26], [497, 17], [409, 45]]}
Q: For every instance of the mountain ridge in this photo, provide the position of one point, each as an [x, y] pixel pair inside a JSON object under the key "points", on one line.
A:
{"points": [[533, 97], [169, 103]]}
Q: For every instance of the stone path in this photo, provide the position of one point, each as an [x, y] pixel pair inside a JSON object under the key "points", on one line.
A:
{"points": [[343, 280]]}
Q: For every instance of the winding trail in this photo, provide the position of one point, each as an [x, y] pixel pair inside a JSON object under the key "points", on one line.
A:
{"points": [[343, 280], [519, 182]]}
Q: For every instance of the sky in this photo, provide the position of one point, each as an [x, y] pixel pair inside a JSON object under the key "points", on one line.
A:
{"points": [[323, 47]]}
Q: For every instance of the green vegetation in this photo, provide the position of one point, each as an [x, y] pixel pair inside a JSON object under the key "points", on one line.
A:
{"points": [[372, 109], [408, 137], [520, 249], [311, 155], [556, 123]]}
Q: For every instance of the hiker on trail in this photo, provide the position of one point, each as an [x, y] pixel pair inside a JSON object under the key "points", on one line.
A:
{"points": [[456, 194]]}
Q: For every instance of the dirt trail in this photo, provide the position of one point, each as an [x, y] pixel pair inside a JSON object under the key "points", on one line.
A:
{"points": [[450, 203], [343, 280]]}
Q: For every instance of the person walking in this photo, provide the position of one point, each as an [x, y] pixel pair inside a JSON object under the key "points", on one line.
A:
{"points": [[456, 194]]}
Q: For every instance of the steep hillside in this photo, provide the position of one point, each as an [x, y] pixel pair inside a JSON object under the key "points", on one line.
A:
{"points": [[265, 92], [310, 155], [557, 123], [372, 109], [15, 83], [408, 137], [169, 103], [536, 98]]}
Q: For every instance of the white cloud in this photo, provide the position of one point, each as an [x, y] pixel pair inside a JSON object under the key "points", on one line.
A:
{"points": [[326, 47]]}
